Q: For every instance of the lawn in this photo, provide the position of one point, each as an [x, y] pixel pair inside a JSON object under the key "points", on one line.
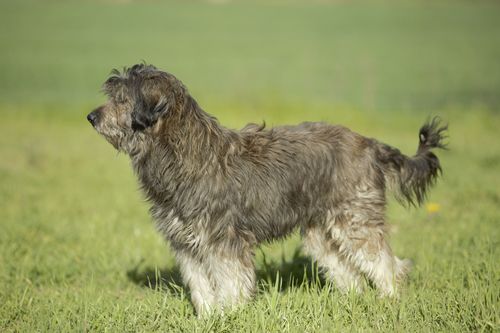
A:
{"points": [[78, 251]]}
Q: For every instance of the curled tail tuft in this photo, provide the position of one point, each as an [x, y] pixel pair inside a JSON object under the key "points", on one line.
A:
{"points": [[432, 134], [413, 176]]}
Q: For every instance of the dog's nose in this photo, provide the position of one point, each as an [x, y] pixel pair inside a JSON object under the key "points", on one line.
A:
{"points": [[92, 117]]}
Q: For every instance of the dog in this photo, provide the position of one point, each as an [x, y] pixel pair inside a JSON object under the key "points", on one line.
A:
{"points": [[217, 193]]}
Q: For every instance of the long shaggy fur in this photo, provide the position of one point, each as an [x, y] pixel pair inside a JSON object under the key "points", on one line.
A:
{"points": [[217, 193]]}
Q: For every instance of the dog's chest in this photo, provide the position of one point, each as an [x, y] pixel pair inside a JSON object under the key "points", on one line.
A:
{"points": [[180, 233]]}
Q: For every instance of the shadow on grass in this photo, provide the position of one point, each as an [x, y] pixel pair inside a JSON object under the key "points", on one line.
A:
{"points": [[154, 278], [281, 274]]}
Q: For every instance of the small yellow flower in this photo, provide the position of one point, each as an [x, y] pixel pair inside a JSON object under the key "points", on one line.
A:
{"points": [[432, 207]]}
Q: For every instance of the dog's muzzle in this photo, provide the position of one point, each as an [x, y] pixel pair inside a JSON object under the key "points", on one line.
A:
{"points": [[93, 117]]}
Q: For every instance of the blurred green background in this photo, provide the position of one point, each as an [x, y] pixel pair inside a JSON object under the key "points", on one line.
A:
{"points": [[372, 55], [78, 251]]}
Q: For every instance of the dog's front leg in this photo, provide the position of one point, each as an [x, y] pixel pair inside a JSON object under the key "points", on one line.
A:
{"points": [[195, 276], [234, 276]]}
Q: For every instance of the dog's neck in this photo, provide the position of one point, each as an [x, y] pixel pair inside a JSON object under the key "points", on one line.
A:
{"points": [[194, 137], [183, 143]]}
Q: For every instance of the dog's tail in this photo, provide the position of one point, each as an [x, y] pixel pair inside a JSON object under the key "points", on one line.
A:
{"points": [[411, 177]]}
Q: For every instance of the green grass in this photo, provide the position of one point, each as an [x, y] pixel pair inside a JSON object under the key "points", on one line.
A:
{"points": [[78, 251]]}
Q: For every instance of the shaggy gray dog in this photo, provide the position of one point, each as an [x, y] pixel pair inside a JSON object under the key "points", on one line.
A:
{"points": [[217, 193]]}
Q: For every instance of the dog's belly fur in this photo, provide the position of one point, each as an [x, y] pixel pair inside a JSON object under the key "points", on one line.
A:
{"points": [[277, 180]]}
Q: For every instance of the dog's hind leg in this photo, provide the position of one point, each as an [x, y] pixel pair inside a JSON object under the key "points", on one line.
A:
{"points": [[358, 226], [373, 256], [366, 247], [332, 263], [195, 275]]}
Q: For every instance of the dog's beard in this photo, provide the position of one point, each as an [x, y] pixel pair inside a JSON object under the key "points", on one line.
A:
{"points": [[112, 135], [131, 143], [115, 141]]}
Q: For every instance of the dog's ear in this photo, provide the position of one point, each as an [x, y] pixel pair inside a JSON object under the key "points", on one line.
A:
{"points": [[154, 98]]}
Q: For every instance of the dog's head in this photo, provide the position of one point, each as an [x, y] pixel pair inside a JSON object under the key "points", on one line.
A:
{"points": [[138, 98]]}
